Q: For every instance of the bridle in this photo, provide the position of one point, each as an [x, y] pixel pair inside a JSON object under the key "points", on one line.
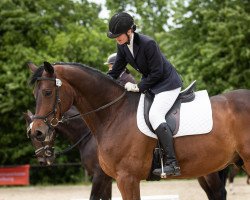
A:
{"points": [[47, 150], [54, 121]]}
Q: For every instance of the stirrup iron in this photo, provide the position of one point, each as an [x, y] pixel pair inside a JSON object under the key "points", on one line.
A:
{"points": [[163, 174]]}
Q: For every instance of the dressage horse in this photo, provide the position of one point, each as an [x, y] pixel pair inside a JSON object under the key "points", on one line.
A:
{"points": [[124, 152], [75, 130]]}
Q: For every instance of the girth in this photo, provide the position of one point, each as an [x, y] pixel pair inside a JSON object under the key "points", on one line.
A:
{"points": [[173, 115]]}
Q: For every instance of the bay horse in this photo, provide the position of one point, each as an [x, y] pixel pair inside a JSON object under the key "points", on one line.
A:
{"points": [[76, 131], [124, 152]]}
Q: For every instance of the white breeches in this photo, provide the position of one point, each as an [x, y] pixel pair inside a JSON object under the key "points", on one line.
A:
{"points": [[161, 105]]}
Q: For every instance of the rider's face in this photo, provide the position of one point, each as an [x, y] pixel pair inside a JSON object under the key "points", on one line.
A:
{"points": [[123, 38]]}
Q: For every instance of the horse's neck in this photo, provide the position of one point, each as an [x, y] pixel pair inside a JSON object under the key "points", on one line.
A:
{"points": [[92, 91]]}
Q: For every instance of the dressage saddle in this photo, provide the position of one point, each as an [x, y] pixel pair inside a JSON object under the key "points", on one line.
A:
{"points": [[173, 116]]}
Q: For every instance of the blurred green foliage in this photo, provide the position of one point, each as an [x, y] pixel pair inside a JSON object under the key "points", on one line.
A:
{"points": [[210, 42], [206, 40], [37, 31]]}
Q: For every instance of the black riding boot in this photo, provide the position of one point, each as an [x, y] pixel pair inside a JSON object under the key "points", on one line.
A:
{"points": [[165, 138]]}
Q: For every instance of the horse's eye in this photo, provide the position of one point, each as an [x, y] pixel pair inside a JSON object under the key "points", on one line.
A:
{"points": [[47, 93]]}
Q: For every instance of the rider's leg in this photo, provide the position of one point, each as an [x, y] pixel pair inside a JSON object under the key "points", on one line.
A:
{"points": [[161, 105]]}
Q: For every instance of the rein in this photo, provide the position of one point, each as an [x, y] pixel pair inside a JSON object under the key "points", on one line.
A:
{"points": [[106, 105], [88, 136], [54, 121], [65, 119]]}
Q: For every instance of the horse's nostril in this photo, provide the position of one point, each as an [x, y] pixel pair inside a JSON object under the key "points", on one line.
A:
{"points": [[39, 135], [41, 161]]}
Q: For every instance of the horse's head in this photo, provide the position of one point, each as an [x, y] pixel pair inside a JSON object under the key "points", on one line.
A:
{"points": [[44, 149], [52, 100]]}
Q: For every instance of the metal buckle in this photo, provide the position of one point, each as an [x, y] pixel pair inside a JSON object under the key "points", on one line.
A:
{"points": [[58, 82], [54, 122]]}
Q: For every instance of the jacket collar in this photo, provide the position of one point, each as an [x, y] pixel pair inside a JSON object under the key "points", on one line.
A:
{"points": [[136, 46]]}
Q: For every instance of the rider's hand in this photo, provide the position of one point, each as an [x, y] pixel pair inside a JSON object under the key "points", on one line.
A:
{"points": [[131, 87]]}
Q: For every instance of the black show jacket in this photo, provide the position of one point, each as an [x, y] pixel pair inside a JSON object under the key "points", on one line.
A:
{"points": [[158, 74]]}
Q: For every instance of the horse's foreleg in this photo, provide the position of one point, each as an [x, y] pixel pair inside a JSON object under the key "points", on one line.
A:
{"points": [[129, 187], [101, 186]]}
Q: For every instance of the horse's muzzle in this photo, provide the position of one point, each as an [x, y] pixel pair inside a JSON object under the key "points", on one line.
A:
{"points": [[46, 161], [45, 155]]}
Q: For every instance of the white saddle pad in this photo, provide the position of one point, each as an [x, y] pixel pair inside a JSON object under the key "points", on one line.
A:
{"points": [[195, 116]]}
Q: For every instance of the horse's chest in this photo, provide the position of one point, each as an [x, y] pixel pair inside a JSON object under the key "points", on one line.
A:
{"points": [[106, 165]]}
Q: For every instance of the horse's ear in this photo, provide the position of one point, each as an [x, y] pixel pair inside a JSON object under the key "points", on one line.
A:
{"points": [[27, 118], [32, 67], [29, 113], [48, 67]]}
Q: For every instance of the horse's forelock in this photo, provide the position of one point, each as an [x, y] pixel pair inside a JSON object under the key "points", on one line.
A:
{"points": [[38, 73]]}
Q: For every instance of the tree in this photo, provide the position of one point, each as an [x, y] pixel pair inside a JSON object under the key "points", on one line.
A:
{"points": [[205, 40], [37, 31], [210, 42]]}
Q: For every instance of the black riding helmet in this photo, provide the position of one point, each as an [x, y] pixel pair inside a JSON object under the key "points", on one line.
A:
{"points": [[120, 23]]}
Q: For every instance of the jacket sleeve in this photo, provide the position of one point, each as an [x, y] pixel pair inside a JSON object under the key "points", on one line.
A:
{"points": [[120, 63], [155, 65]]}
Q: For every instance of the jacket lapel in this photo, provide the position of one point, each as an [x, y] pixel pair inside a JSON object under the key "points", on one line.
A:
{"points": [[131, 58], [127, 51], [136, 46]]}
